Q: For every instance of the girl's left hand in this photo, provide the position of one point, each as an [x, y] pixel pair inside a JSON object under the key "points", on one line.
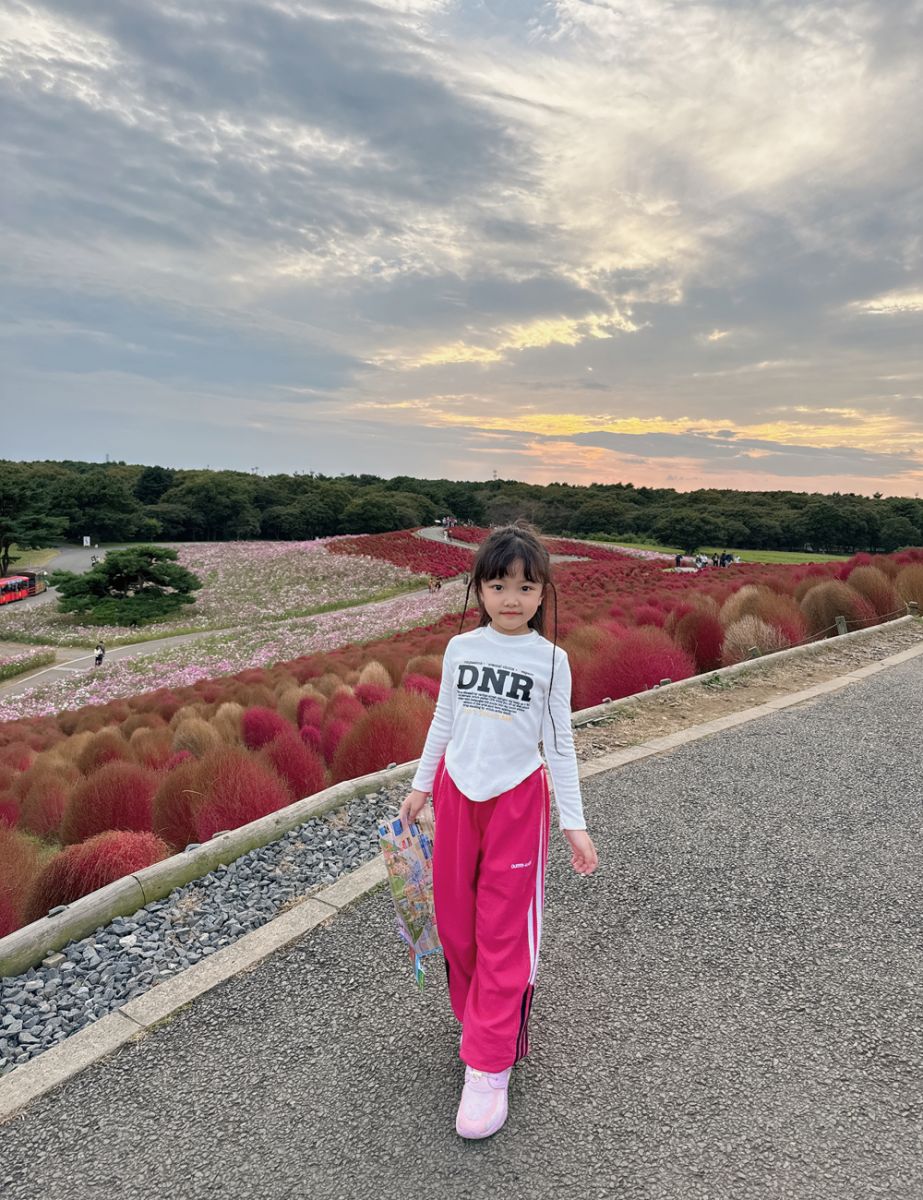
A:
{"points": [[584, 858]]}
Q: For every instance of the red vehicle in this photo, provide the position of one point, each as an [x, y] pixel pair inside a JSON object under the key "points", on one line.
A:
{"points": [[36, 581], [13, 587]]}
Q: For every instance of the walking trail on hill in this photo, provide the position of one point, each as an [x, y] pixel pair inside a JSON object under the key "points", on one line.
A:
{"points": [[78, 659], [729, 1009]]}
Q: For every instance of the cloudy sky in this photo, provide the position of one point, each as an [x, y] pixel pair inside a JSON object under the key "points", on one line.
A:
{"points": [[676, 242]]}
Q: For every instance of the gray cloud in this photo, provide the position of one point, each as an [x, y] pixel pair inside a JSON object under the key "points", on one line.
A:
{"points": [[713, 452], [262, 194]]}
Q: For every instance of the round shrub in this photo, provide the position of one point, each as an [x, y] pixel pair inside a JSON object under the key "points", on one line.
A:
{"points": [[17, 755], [312, 738], [371, 693], [152, 748], [343, 706], [44, 794], [743, 635], [424, 684], [391, 732], [106, 746], [311, 711], [375, 674], [739, 604], [831, 599], [86, 866], [784, 613], [227, 722], [9, 809], [21, 859], [302, 770], [142, 720], [259, 725], [909, 583], [700, 634], [878, 589], [331, 736], [647, 614], [174, 802], [425, 664], [196, 736], [640, 659], [237, 789], [117, 796]]}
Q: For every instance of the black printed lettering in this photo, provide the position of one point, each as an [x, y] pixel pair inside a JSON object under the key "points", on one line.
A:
{"points": [[520, 687], [492, 680], [467, 676]]}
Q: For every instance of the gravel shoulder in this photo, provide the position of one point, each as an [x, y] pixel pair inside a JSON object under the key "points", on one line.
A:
{"points": [[730, 1009]]}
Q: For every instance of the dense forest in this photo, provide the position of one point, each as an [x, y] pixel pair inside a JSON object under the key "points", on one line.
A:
{"points": [[44, 502]]}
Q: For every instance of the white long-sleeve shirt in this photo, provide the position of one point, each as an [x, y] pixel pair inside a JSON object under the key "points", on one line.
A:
{"points": [[492, 711]]}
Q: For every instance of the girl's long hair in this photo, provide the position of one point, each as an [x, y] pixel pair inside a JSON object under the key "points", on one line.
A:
{"points": [[496, 558]]}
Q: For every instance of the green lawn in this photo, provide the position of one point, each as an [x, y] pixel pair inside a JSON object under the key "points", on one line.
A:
{"points": [[30, 560], [763, 556]]}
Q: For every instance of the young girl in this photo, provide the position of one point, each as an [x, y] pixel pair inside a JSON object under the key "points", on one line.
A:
{"points": [[504, 688]]}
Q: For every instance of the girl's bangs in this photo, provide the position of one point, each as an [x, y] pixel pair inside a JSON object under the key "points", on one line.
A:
{"points": [[500, 559]]}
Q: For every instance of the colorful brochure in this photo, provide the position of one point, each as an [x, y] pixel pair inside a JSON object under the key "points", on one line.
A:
{"points": [[408, 858]]}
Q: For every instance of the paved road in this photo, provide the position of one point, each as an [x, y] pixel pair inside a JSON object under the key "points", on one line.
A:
{"points": [[729, 1010], [435, 533]]}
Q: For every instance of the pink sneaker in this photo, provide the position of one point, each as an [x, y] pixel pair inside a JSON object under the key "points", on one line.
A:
{"points": [[483, 1106]]}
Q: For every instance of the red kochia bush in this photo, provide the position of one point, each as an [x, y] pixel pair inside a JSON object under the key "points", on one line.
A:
{"points": [[302, 769], [331, 736], [391, 732], [647, 614], [311, 736], [9, 809], [642, 658], [700, 634], [89, 865], [425, 685], [174, 802], [371, 693], [343, 706], [310, 711], [20, 862], [117, 796], [17, 755], [260, 725], [236, 788], [44, 793]]}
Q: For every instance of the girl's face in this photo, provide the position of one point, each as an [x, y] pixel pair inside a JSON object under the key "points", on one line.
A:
{"points": [[511, 602]]}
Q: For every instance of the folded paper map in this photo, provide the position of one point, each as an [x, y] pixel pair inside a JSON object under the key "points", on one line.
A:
{"points": [[408, 858]]}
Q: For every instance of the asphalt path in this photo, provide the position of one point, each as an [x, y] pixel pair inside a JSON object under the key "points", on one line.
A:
{"points": [[730, 1008]]}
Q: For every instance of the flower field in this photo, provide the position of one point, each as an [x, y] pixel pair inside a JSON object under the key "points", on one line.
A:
{"points": [[245, 583], [419, 555], [12, 665], [91, 792], [474, 535], [226, 653]]}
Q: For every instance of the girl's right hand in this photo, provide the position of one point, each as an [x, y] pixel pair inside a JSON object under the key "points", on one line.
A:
{"points": [[584, 858], [412, 807]]}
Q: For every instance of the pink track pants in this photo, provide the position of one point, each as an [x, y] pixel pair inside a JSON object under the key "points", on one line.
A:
{"points": [[489, 890]]}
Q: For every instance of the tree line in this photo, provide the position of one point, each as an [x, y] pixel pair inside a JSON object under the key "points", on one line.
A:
{"points": [[46, 502]]}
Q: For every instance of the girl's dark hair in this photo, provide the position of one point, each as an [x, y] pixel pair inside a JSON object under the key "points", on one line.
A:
{"points": [[496, 558]]}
